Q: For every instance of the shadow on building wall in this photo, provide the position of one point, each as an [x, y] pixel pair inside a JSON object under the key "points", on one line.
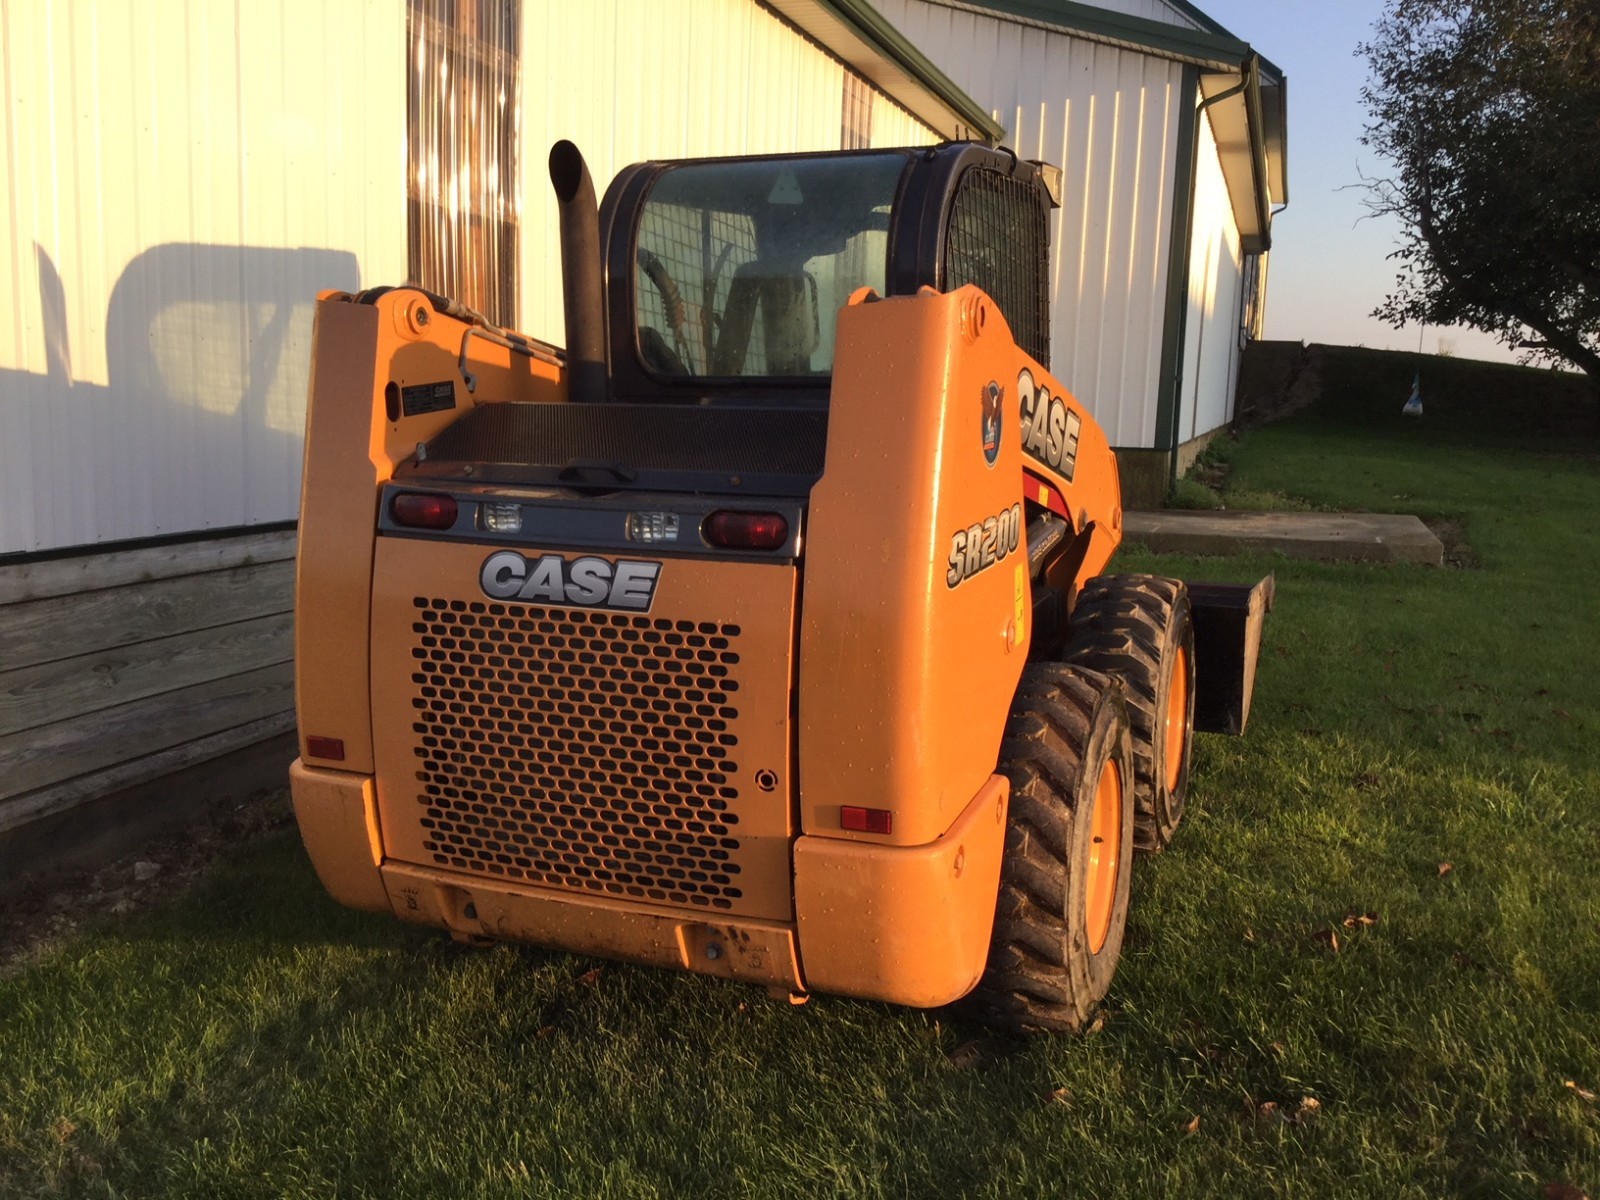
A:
{"points": [[201, 421]]}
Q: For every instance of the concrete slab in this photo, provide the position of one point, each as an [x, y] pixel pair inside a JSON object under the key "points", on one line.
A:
{"points": [[1351, 537]]}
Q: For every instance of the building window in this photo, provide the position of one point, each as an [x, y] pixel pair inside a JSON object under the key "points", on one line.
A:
{"points": [[855, 131], [463, 164]]}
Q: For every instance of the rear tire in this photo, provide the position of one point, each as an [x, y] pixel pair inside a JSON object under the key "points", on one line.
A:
{"points": [[1139, 629], [1063, 899]]}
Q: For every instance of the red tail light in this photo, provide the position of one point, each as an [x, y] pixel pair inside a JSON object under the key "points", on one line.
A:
{"points": [[745, 530], [423, 511], [865, 820], [330, 748]]}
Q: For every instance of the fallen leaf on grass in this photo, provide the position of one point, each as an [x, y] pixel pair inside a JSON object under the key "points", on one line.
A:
{"points": [[1099, 1023], [64, 1129], [1582, 1093], [1360, 919], [1564, 1191], [1272, 1113], [1194, 1125], [545, 1031], [1060, 1095], [1330, 937], [1445, 868], [590, 978]]}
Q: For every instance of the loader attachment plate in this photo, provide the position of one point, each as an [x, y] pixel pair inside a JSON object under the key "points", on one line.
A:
{"points": [[1228, 619]]}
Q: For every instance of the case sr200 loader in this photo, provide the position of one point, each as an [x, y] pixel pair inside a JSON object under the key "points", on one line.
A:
{"points": [[761, 631]]}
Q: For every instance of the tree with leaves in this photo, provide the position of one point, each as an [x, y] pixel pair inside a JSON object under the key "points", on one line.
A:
{"points": [[1488, 112]]}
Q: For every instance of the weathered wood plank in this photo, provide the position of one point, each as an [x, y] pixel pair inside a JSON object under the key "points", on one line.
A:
{"points": [[82, 789], [21, 582], [72, 687], [37, 758], [43, 631]]}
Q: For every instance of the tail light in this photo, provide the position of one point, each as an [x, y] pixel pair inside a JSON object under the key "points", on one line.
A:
{"points": [[866, 820], [423, 510], [745, 530], [330, 748]]}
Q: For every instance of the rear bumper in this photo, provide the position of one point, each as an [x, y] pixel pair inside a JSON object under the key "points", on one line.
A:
{"points": [[905, 924]]}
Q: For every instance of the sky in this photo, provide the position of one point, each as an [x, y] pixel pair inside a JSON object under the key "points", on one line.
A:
{"points": [[1329, 266]]}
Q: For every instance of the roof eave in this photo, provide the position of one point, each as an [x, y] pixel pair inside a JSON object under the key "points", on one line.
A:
{"points": [[858, 34], [1211, 51], [1250, 161]]}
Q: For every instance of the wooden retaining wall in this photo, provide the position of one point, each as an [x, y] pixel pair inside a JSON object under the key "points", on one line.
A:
{"points": [[118, 668]]}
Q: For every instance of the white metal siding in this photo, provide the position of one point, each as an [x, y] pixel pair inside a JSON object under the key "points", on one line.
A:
{"points": [[1109, 118], [1216, 296], [894, 126], [180, 180], [650, 79]]}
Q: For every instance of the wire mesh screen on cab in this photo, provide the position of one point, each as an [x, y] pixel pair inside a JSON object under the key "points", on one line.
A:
{"points": [[998, 239]]}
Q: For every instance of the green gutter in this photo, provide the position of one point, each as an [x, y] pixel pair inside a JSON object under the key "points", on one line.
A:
{"points": [[1258, 156], [1219, 52], [869, 25], [1169, 399]]}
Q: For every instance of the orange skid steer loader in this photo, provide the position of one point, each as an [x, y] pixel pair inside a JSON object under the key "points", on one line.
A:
{"points": [[761, 631]]}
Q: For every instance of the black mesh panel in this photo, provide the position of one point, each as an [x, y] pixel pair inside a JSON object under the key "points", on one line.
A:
{"points": [[998, 239]]}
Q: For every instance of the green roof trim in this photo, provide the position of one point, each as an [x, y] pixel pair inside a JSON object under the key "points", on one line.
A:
{"points": [[1169, 385], [1218, 51], [868, 24], [1213, 25]]}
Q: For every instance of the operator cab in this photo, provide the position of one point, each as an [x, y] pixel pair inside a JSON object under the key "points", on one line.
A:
{"points": [[725, 277]]}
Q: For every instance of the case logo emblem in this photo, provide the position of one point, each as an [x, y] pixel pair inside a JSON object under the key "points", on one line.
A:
{"points": [[1050, 429], [993, 394], [589, 582]]}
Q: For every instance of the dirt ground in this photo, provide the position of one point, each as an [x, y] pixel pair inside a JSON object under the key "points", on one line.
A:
{"points": [[42, 914]]}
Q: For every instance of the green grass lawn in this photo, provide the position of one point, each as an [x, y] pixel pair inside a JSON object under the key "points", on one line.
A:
{"points": [[253, 1039]]}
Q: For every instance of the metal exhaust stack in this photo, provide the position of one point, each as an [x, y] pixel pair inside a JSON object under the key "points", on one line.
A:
{"points": [[582, 290]]}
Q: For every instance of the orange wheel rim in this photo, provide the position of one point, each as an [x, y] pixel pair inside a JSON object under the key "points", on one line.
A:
{"points": [[1177, 720], [1105, 856]]}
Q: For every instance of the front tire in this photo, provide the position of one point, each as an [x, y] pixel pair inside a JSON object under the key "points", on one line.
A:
{"points": [[1139, 629], [1063, 901]]}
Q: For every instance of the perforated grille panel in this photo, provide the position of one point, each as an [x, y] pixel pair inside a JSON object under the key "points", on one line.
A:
{"points": [[579, 749]]}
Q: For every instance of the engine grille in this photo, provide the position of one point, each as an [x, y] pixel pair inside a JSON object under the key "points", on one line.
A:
{"points": [[579, 749]]}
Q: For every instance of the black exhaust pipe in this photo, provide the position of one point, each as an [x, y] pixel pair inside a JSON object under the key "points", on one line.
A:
{"points": [[582, 290]]}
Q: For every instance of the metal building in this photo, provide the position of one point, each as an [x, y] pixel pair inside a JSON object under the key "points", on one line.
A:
{"points": [[179, 183], [181, 180], [1171, 136]]}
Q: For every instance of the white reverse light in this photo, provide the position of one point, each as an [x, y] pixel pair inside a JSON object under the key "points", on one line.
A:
{"points": [[652, 527], [501, 518]]}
